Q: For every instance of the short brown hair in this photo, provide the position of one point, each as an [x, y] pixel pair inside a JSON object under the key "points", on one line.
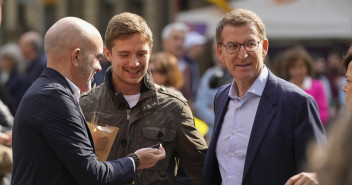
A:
{"points": [[294, 54], [127, 24], [347, 58], [167, 63], [240, 17]]}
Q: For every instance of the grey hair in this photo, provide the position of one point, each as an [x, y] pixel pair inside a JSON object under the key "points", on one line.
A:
{"points": [[12, 51], [171, 27]]}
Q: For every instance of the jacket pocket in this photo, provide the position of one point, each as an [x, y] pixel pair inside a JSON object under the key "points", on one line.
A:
{"points": [[157, 133], [166, 136]]}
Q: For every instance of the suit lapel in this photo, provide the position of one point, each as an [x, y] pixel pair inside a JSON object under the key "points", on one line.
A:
{"points": [[212, 172], [220, 112], [265, 113]]}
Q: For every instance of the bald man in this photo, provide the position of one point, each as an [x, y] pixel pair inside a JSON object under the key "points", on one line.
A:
{"points": [[51, 141]]}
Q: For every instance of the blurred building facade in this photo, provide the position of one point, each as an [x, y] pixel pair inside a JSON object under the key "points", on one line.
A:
{"points": [[38, 15]]}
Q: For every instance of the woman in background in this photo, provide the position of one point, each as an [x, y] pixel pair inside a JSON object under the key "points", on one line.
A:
{"points": [[165, 70], [299, 71]]}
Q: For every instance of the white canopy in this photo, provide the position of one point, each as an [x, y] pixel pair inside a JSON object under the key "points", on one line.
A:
{"points": [[299, 19]]}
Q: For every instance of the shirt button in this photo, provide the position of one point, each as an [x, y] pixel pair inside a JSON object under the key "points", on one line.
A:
{"points": [[230, 177], [232, 154], [239, 108], [235, 132]]}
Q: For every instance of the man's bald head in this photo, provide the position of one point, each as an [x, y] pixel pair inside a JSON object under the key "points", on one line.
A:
{"points": [[74, 48], [69, 33]]}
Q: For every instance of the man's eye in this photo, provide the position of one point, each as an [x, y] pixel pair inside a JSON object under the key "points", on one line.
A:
{"points": [[232, 46], [251, 44]]}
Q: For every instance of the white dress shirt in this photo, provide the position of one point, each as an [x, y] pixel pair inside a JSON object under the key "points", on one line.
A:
{"points": [[75, 89], [231, 148]]}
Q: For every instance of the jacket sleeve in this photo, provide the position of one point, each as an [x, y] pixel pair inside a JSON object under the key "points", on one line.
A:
{"points": [[190, 146], [307, 128], [65, 130]]}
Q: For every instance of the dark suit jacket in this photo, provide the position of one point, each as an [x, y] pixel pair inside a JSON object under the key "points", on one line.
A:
{"points": [[286, 119], [15, 87], [36, 68], [52, 143]]}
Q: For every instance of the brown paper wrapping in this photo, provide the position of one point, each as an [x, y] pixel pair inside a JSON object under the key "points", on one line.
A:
{"points": [[103, 138]]}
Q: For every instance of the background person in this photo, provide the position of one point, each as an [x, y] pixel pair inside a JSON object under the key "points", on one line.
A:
{"points": [[299, 70], [194, 48], [173, 41], [165, 71], [31, 44], [6, 122], [333, 163], [211, 81], [347, 88], [15, 84]]}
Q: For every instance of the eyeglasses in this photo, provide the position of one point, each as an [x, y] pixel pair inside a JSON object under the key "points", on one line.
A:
{"points": [[233, 48]]}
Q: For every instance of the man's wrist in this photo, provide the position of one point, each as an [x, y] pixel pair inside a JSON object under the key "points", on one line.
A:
{"points": [[135, 159]]}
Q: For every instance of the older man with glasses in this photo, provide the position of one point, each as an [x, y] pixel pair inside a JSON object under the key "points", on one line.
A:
{"points": [[262, 123]]}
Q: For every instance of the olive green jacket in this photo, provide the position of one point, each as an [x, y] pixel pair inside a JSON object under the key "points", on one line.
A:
{"points": [[160, 116]]}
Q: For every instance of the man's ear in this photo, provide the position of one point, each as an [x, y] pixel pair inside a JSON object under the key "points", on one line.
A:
{"points": [[75, 57], [107, 54], [219, 53], [265, 47]]}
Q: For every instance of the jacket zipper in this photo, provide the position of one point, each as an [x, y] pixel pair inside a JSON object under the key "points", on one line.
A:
{"points": [[128, 113]]}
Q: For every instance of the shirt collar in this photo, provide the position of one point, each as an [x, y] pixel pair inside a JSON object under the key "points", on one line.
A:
{"points": [[75, 89], [307, 83], [256, 88]]}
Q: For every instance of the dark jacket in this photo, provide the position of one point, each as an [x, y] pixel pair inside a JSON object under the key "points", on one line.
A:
{"points": [[52, 143], [287, 119], [15, 87], [35, 68], [160, 116]]}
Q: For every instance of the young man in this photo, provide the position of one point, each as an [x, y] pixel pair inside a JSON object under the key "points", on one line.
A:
{"points": [[262, 123], [145, 113]]}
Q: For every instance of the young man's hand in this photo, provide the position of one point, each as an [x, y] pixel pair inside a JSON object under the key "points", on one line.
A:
{"points": [[148, 157]]}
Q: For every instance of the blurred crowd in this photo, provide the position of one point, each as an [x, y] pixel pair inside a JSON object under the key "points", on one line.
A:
{"points": [[21, 64]]}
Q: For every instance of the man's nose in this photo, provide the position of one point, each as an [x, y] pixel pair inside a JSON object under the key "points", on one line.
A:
{"points": [[134, 62], [242, 54]]}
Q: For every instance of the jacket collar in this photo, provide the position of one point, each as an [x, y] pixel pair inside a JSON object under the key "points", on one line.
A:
{"points": [[148, 89], [53, 74]]}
